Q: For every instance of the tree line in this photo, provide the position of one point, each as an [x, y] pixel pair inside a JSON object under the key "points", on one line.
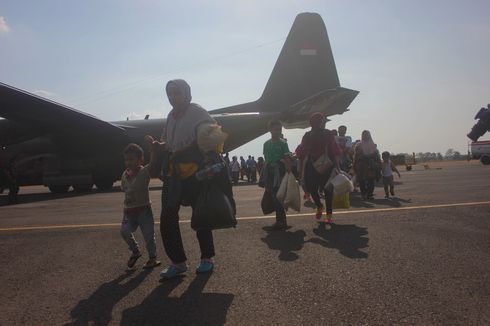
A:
{"points": [[450, 155]]}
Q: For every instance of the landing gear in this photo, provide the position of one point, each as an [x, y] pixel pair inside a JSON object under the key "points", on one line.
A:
{"points": [[83, 188], [485, 160], [59, 189], [104, 185]]}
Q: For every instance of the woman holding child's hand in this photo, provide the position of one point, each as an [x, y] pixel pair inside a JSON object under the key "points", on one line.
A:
{"points": [[176, 161]]}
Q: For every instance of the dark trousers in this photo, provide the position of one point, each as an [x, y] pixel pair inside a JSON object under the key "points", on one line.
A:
{"points": [[280, 211], [169, 222], [315, 183], [253, 174], [234, 176], [366, 186], [13, 191]]}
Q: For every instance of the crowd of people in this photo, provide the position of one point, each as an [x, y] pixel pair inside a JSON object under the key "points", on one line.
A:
{"points": [[321, 155], [180, 160], [360, 159], [244, 170]]}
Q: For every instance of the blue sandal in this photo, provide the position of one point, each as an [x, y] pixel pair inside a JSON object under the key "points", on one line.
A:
{"points": [[205, 266], [172, 271]]}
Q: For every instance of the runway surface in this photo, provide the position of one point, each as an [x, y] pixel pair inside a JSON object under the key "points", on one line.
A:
{"points": [[421, 258]]}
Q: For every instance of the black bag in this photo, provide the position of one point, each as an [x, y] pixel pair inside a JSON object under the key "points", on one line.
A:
{"points": [[267, 203], [213, 209]]}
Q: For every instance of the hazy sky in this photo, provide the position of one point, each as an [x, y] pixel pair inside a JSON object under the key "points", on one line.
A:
{"points": [[422, 67]]}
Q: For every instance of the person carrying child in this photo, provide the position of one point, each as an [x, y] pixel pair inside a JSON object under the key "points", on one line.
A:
{"points": [[137, 206], [387, 169]]}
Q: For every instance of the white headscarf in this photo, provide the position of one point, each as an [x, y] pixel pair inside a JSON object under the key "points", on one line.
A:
{"points": [[367, 144], [180, 132]]}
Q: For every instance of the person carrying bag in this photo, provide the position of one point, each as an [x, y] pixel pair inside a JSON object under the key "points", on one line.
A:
{"points": [[277, 164], [181, 155], [320, 155]]}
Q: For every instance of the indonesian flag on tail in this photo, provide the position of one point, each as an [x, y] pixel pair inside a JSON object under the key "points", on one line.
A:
{"points": [[308, 49]]}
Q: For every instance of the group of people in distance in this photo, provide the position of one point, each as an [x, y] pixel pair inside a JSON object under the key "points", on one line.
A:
{"points": [[178, 157], [363, 161], [239, 170]]}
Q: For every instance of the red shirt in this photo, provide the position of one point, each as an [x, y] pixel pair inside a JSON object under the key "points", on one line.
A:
{"points": [[315, 143]]}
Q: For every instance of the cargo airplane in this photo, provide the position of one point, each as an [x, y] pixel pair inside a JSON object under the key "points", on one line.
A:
{"points": [[60, 147]]}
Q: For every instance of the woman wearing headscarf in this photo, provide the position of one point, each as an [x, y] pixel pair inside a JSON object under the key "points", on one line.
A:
{"points": [[367, 164], [182, 158], [317, 144]]}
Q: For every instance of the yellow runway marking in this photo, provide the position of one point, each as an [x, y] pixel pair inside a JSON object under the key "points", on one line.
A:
{"points": [[358, 211]]}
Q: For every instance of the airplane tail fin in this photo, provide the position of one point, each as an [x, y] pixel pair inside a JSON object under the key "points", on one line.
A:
{"points": [[305, 65], [304, 78]]}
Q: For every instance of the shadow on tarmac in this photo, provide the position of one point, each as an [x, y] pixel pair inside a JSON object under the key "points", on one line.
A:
{"points": [[97, 309], [192, 308], [348, 239], [286, 242], [357, 202]]}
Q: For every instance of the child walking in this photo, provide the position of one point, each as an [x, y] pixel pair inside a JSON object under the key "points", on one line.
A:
{"points": [[137, 206], [387, 168]]}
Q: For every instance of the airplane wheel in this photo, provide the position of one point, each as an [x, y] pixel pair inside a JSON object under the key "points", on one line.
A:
{"points": [[485, 160], [83, 188], [59, 189], [104, 185]]}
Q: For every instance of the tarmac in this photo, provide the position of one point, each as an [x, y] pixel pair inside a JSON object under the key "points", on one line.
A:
{"points": [[421, 258]]}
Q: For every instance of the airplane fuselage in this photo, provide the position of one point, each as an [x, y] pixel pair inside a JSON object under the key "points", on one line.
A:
{"points": [[58, 161]]}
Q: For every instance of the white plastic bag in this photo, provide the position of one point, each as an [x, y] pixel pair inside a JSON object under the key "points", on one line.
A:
{"points": [[328, 184], [293, 199], [281, 193], [341, 184]]}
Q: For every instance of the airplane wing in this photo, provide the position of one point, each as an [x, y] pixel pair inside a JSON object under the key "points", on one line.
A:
{"points": [[45, 116], [329, 101]]}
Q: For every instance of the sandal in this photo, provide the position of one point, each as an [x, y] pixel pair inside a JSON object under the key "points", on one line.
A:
{"points": [[133, 259], [152, 262], [172, 271], [205, 266]]}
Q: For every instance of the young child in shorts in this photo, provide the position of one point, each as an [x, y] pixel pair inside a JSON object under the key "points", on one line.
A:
{"points": [[387, 169], [137, 206]]}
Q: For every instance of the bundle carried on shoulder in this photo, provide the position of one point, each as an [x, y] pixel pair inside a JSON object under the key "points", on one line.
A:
{"points": [[210, 137]]}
